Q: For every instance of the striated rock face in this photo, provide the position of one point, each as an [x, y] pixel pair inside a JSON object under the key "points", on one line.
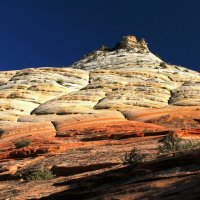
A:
{"points": [[186, 95], [5, 76], [27, 89], [127, 77]]}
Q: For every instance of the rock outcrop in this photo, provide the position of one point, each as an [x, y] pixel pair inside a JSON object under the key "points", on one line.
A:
{"points": [[130, 42]]}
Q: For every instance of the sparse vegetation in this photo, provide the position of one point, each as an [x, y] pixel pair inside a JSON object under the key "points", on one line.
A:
{"points": [[138, 61], [157, 56], [94, 56], [146, 130], [60, 81], [118, 51], [140, 51], [172, 143], [42, 174], [91, 56], [163, 64], [104, 48], [22, 143], [134, 157]]}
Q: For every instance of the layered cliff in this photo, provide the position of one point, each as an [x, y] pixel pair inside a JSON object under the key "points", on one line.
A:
{"points": [[125, 77]]}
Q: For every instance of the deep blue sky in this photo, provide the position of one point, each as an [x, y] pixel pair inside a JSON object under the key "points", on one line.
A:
{"points": [[37, 33]]}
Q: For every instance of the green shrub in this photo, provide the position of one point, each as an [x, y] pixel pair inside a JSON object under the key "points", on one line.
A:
{"points": [[146, 130], [60, 81], [140, 51], [42, 174], [104, 48], [22, 143], [157, 56], [172, 143], [163, 64], [134, 157]]}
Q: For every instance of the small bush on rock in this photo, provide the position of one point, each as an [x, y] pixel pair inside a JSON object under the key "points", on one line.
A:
{"points": [[104, 48], [133, 158], [42, 174], [172, 143], [60, 81], [22, 143], [163, 64]]}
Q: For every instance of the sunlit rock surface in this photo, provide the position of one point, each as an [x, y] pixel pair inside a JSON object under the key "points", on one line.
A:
{"points": [[27, 89], [129, 76]]}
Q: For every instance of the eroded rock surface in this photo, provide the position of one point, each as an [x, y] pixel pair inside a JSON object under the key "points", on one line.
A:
{"points": [[29, 88], [127, 77]]}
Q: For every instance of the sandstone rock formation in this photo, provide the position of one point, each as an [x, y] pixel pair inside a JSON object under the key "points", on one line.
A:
{"points": [[83, 118], [128, 76], [130, 42], [27, 89], [5, 76]]}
